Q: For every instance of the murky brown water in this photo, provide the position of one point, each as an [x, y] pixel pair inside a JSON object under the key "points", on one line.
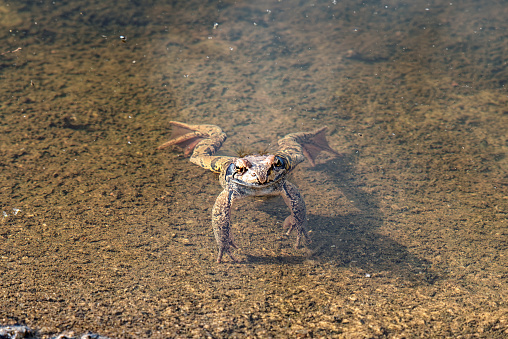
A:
{"points": [[100, 232]]}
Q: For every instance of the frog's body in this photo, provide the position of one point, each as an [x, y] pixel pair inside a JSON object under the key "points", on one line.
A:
{"points": [[254, 175]]}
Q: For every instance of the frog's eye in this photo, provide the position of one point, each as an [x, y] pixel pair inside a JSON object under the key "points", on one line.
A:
{"points": [[240, 169], [279, 162]]}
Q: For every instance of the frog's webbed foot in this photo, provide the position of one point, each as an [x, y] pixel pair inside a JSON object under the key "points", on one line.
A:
{"points": [[187, 137], [183, 136], [314, 143], [291, 223], [308, 143], [226, 249]]}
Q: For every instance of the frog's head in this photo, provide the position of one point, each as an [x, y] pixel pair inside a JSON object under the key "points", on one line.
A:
{"points": [[257, 170]]}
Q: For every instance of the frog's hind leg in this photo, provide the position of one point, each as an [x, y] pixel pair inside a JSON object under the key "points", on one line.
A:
{"points": [[200, 142]]}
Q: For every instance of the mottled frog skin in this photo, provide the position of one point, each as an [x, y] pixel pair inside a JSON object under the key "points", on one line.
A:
{"points": [[254, 175]]}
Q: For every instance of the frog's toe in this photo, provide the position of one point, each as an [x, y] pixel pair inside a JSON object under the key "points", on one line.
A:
{"points": [[289, 224], [221, 253], [226, 249], [302, 238]]}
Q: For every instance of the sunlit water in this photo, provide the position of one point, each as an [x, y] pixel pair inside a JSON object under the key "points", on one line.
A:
{"points": [[100, 232]]}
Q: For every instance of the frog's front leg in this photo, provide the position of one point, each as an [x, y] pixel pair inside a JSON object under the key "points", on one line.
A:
{"points": [[298, 218], [221, 222]]}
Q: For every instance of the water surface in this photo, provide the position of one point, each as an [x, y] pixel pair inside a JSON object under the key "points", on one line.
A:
{"points": [[101, 232]]}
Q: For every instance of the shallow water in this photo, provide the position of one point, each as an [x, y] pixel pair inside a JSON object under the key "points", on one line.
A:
{"points": [[101, 232]]}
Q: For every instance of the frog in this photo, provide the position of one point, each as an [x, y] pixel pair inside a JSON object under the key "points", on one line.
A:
{"points": [[251, 175]]}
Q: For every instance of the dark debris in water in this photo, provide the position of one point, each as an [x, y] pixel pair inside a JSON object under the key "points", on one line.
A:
{"points": [[21, 331]]}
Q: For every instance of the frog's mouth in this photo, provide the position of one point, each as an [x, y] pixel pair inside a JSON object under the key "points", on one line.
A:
{"points": [[274, 176], [255, 184]]}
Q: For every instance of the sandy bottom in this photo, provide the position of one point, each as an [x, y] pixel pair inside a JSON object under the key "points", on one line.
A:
{"points": [[101, 232]]}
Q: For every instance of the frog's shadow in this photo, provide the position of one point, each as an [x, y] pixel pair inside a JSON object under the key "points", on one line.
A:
{"points": [[352, 240]]}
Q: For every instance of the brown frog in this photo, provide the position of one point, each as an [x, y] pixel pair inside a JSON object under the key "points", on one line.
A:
{"points": [[253, 175]]}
